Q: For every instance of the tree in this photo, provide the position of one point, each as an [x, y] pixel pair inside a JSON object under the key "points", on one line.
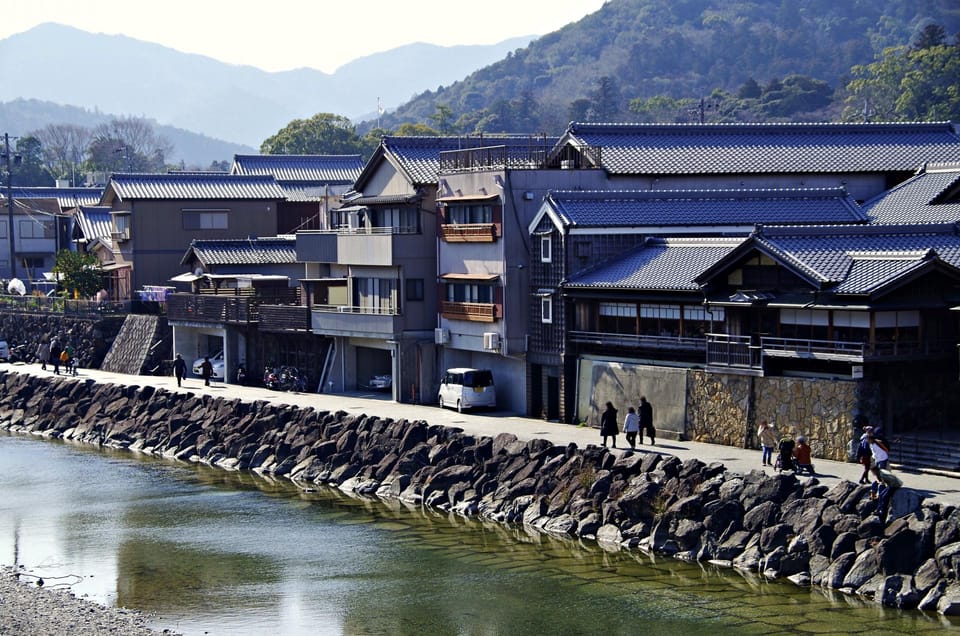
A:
{"points": [[907, 84], [416, 130], [128, 144], [442, 117], [606, 99], [322, 134], [64, 148], [31, 171], [80, 274]]}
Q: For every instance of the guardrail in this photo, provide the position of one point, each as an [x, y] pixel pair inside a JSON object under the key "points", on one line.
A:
{"points": [[805, 348], [632, 341], [67, 306]]}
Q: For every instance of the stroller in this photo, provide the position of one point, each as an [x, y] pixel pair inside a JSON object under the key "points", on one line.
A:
{"points": [[785, 455]]}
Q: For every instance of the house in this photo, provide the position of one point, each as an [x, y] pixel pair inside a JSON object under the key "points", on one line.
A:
{"points": [[865, 159], [92, 234], [33, 230], [67, 197], [613, 277], [154, 217], [231, 282], [312, 185]]}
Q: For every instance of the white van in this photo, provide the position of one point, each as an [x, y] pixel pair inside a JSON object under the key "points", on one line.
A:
{"points": [[467, 388]]}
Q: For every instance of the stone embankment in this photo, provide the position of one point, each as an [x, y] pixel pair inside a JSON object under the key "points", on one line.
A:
{"points": [[777, 525]]}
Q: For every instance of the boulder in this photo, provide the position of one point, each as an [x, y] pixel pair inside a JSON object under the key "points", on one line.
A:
{"points": [[835, 575], [775, 536], [761, 516], [949, 603], [866, 566]]}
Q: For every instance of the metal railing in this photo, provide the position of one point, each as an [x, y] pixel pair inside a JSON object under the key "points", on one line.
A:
{"points": [[66, 306], [732, 351], [808, 348], [384, 310], [633, 341]]}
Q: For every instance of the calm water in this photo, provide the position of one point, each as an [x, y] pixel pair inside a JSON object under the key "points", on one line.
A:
{"points": [[212, 552]]}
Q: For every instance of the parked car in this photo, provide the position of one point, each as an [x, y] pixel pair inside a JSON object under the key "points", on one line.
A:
{"points": [[381, 382], [219, 368], [467, 388], [4, 351]]}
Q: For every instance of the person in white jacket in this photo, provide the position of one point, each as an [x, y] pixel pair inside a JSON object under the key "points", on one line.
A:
{"points": [[631, 426]]}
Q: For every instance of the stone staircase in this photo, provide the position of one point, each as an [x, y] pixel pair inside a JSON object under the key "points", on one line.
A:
{"points": [[934, 452], [140, 346]]}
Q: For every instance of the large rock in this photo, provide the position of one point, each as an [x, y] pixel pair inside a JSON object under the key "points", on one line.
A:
{"points": [[863, 569]]}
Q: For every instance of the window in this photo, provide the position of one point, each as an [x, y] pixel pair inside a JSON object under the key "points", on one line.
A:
{"points": [[414, 289], [121, 224], [3, 230], [470, 214], [546, 249], [546, 309], [469, 293], [35, 229], [376, 295], [402, 220], [205, 219], [617, 318]]}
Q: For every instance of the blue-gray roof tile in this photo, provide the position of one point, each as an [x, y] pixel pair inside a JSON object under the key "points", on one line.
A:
{"points": [[660, 149], [280, 250], [933, 196], [598, 209], [196, 186], [310, 169]]}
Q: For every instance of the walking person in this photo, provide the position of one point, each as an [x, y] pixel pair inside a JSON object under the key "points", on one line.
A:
{"points": [[646, 420], [768, 439], [43, 354], [879, 450], [608, 424], [206, 371], [55, 355], [179, 369], [864, 456], [631, 426]]}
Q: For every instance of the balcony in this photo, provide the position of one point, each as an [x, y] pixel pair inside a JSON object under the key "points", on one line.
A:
{"points": [[468, 232], [473, 312], [360, 322], [202, 308], [285, 318], [813, 349], [728, 352], [632, 341]]}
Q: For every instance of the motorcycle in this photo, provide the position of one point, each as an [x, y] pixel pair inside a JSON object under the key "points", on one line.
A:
{"points": [[270, 379]]}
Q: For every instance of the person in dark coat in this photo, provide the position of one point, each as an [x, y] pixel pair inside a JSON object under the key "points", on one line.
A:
{"points": [[55, 351], [179, 368], [646, 420], [206, 371], [608, 424]]}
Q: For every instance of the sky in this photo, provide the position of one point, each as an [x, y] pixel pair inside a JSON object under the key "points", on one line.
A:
{"points": [[281, 35]]}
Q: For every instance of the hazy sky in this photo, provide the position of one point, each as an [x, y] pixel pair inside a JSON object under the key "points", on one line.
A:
{"points": [[285, 34]]}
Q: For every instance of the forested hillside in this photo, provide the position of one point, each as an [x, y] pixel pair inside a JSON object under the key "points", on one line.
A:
{"points": [[663, 56]]}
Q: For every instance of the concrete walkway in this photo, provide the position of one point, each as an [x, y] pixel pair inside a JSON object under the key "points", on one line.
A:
{"points": [[940, 488]]}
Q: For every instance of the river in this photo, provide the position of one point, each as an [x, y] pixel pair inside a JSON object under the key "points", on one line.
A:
{"points": [[214, 552]]}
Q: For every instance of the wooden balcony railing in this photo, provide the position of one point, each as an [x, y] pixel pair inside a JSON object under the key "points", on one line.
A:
{"points": [[212, 309], [725, 350], [284, 318], [475, 312], [468, 232]]}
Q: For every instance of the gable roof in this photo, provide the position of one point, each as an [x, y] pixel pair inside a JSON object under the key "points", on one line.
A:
{"points": [[191, 185], [303, 170], [932, 196], [850, 260], [68, 198], [94, 223], [671, 149], [660, 264], [274, 250], [698, 208]]}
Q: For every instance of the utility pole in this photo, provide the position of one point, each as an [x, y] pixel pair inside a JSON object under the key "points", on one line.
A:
{"points": [[7, 157]]}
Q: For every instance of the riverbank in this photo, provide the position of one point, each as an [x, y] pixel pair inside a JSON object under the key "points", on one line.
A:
{"points": [[27, 609], [801, 529]]}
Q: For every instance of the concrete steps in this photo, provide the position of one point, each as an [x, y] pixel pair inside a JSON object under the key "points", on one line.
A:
{"points": [[932, 453]]}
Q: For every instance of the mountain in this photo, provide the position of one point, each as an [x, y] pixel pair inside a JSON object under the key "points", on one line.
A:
{"points": [[631, 49], [21, 116], [120, 75]]}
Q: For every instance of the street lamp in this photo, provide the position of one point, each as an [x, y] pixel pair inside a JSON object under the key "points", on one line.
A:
{"points": [[16, 161]]}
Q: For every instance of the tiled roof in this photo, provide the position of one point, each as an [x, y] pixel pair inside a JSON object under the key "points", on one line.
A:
{"points": [[672, 149], [307, 169], [95, 223], [661, 264], [645, 208], [279, 250], [858, 260], [933, 196], [197, 186], [68, 198]]}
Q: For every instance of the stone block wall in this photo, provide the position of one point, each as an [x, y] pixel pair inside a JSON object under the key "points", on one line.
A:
{"points": [[90, 338], [719, 408]]}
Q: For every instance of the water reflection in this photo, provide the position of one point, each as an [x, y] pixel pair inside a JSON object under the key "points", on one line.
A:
{"points": [[234, 553]]}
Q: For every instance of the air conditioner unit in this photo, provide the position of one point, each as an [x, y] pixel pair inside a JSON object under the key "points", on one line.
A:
{"points": [[120, 236], [491, 341], [441, 336]]}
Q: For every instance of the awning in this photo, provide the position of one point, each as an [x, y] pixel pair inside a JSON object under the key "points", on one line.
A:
{"points": [[477, 278], [112, 267], [351, 208], [469, 197], [189, 277], [383, 200]]}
